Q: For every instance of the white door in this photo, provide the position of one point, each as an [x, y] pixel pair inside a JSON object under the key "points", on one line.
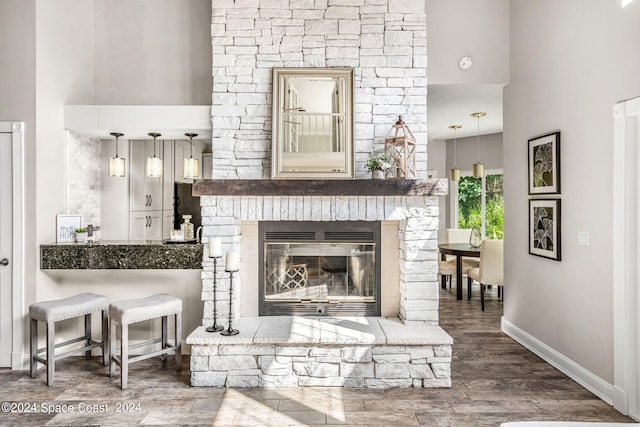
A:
{"points": [[626, 258], [6, 247]]}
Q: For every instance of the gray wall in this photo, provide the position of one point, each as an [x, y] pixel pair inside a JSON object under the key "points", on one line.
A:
{"points": [[571, 61], [475, 28], [153, 52]]}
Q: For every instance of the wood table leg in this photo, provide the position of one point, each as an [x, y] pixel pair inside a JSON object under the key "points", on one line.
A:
{"points": [[459, 277]]}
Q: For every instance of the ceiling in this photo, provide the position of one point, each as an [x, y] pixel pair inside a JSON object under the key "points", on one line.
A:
{"points": [[453, 104]]}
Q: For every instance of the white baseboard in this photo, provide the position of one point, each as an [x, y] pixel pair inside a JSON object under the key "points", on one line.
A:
{"points": [[582, 376]]}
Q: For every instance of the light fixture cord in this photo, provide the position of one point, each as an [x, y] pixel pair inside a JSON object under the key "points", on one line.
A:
{"points": [[191, 146], [455, 148], [478, 134], [116, 147], [154, 147]]}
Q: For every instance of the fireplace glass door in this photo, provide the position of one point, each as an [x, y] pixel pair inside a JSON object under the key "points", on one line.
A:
{"points": [[320, 272]]}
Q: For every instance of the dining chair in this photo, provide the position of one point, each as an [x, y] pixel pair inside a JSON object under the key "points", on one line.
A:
{"points": [[447, 267], [491, 270]]}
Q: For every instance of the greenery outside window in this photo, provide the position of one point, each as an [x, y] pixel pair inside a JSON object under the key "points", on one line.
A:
{"points": [[480, 203]]}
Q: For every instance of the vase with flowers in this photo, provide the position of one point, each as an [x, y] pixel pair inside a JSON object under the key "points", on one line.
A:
{"points": [[377, 164]]}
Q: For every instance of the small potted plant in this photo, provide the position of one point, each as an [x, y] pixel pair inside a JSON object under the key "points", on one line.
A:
{"points": [[81, 235], [377, 165]]}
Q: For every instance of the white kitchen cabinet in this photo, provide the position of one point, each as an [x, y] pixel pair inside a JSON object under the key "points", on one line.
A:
{"points": [[207, 165], [145, 193], [145, 225], [182, 150], [167, 224], [167, 184]]}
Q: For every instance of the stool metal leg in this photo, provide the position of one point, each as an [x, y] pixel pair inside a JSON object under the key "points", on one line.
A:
{"points": [[87, 334], [164, 337], [33, 347], [124, 355], [112, 348], [178, 334], [51, 358], [105, 338]]}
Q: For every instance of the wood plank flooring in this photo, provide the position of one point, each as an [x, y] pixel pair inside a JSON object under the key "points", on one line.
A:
{"points": [[494, 380]]}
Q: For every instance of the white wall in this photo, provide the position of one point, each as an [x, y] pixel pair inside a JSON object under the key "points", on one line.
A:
{"points": [[81, 61], [570, 62], [475, 28], [153, 52], [17, 85]]}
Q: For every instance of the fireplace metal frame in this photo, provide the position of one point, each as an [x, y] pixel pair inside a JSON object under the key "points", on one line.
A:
{"points": [[322, 232]]}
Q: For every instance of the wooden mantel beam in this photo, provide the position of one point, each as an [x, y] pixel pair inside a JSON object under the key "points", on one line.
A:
{"points": [[356, 187]]}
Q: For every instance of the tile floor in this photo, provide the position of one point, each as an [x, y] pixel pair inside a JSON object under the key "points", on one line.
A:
{"points": [[494, 380]]}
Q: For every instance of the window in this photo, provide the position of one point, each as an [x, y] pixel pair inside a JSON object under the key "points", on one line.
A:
{"points": [[479, 203]]}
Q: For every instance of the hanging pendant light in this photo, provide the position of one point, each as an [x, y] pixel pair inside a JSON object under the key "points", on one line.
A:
{"points": [[454, 173], [154, 164], [117, 165], [191, 166], [478, 168]]}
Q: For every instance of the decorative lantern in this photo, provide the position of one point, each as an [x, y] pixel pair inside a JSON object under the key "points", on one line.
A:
{"points": [[401, 151]]}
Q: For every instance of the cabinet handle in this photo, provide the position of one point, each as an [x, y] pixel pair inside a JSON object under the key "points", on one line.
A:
{"points": [[150, 200], [150, 221], [146, 200], [146, 221]]}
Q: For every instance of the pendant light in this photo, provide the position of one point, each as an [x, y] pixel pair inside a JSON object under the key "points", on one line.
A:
{"points": [[154, 164], [478, 168], [191, 166], [117, 164], [454, 173]]}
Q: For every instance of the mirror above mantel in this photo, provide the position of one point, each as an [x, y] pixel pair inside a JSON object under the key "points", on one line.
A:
{"points": [[312, 123]]}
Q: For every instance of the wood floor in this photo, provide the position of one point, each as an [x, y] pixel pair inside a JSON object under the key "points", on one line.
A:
{"points": [[494, 380]]}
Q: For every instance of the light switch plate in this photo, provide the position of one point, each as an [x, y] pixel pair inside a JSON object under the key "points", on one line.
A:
{"points": [[583, 238]]}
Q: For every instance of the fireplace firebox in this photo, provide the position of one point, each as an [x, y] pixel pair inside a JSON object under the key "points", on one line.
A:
{"points": [[319, 268]]}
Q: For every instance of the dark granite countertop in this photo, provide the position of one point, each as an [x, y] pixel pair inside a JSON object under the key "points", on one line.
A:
{"points": [[123, 255]]}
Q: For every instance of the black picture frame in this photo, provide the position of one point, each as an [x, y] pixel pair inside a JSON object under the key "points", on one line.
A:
{"points": [[544, 228], [544, 164]]}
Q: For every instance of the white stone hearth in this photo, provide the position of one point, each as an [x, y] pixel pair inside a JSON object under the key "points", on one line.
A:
{"points": [[297, 351]]}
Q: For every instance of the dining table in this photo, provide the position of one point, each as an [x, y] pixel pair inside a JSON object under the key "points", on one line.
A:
{"points": [[459, 250]]}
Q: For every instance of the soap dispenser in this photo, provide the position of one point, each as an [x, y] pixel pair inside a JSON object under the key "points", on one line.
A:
{"points": [[187, 227]]}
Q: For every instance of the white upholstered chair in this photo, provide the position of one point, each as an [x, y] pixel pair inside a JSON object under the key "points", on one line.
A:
{"points": [[491, 269], [447, 267]]}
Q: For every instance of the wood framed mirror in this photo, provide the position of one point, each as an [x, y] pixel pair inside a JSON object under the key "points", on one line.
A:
{"points": [[312, 123]]}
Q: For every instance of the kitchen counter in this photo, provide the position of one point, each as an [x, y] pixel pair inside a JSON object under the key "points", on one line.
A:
{"points": [[120, 255]]}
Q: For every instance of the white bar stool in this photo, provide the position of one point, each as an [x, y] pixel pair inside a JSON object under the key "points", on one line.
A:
{"points": [[124, 313], [53, 311]]}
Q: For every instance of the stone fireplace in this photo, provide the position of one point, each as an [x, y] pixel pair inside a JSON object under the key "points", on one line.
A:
{"points": [[384, 41], [407, 211]]}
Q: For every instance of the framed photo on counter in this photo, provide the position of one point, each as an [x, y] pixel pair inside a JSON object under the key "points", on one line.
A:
{"points": [[66, 225]]}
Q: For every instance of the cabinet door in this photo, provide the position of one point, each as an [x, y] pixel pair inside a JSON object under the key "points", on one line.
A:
{"points": [[138, 223], [146, 225], [167, 224], [167, 184], [154, 230], [145, 192], [181, 151], [207, 165]]}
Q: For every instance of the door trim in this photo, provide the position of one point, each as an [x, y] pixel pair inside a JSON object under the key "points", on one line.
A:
{"points": [[626, 279], [17, 291]]}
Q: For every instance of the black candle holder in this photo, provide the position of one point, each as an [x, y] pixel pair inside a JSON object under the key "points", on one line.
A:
{"points": [[215, 327], [230, 331]]}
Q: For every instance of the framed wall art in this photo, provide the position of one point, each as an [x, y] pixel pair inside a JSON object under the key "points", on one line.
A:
{"points": [[544, 164], [544, 228], [66, 226]]}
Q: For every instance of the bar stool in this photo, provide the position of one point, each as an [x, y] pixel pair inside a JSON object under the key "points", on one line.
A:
{"points": [[124, 313], [53, 311]]}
